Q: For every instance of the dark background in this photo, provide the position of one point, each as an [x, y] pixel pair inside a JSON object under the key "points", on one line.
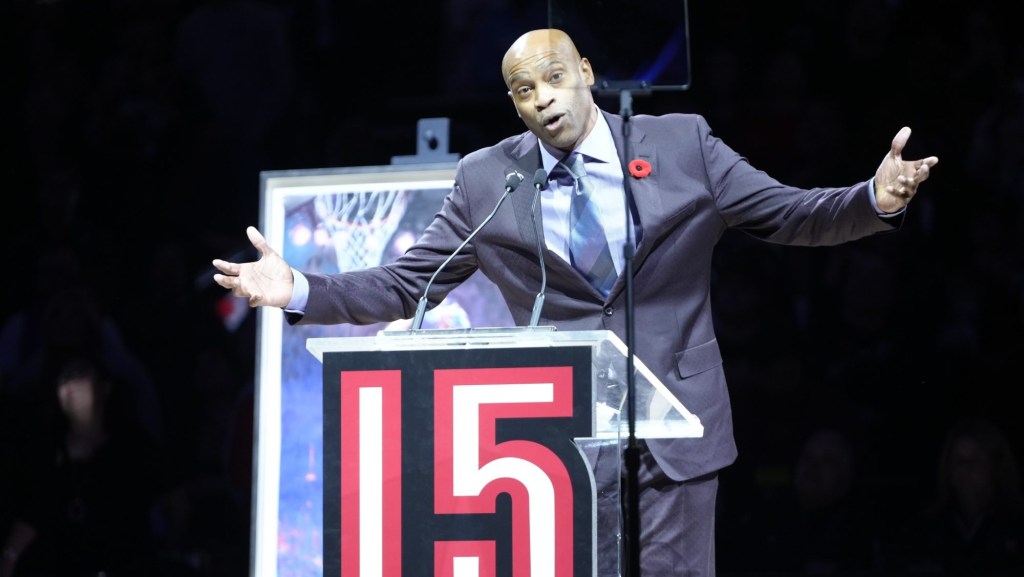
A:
{"points": [[134, 131]]}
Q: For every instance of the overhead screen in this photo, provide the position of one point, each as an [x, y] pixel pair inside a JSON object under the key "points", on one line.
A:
{"points": [[632, 44]]}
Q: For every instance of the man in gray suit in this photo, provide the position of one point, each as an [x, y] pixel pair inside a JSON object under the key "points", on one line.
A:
{"points": [[687, 187]]}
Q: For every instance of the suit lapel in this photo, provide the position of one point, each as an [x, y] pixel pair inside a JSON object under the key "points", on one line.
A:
{"points": [[646, 198], [647, 202], [527, 160]]}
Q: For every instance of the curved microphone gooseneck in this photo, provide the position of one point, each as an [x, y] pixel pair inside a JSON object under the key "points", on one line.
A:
{"points": [[539, 178], [512, 182]]}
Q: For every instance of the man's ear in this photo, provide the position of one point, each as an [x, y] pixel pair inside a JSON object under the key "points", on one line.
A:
{"points": [[587, 71]]}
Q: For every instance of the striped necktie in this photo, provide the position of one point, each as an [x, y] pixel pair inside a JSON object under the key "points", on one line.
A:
{"points": [[588, 243]]}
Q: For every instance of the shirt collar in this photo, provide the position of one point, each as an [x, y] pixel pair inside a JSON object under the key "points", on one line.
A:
{"points": [[597, 146]]}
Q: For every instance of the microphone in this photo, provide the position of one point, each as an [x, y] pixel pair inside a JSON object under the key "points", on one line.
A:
{"points": [[539, 179], [512, 182]]}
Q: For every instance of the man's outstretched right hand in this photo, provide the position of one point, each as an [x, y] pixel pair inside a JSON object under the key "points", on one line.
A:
{"points": [[266, 282]]}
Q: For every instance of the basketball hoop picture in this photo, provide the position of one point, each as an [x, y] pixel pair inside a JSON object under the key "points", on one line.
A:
{"points": [[360, 224]]}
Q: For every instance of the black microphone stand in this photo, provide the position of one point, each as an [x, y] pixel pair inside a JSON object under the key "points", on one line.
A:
{"points": [[632, 453], [631, 508]]}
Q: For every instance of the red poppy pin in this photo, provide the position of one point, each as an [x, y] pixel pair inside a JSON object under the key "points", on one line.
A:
{"points": [[639, 168]]}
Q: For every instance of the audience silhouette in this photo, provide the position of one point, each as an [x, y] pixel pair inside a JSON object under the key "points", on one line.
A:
{"points": [[88, 476], [974, 523]]}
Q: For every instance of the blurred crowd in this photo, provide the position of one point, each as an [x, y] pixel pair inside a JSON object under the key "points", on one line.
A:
{"points": [[877, 433]]}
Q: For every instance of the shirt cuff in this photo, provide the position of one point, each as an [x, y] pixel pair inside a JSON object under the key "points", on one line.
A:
{"points": [[874, 203], [300, 293]]}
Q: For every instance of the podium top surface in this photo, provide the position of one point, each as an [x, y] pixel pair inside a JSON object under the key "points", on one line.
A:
{"points": [[659, 413], [461, 338]]}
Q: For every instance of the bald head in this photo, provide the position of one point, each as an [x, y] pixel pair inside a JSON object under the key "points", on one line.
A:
{"points": [[536, 44], [550, 86]]}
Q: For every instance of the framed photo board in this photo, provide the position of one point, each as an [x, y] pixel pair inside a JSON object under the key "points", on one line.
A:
{"points": [[328, 221]]}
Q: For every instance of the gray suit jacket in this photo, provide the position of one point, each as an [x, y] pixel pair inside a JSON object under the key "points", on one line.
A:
{"points": [[698, 187]]}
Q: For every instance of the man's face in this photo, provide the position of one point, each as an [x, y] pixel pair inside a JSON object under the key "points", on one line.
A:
{"points": [[550, 86]]}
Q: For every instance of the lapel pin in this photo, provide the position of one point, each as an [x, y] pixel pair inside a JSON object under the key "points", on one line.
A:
{"points": [[639, 168]]}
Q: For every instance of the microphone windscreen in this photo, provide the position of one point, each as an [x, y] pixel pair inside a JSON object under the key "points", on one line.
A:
{"points": [[513, 180], [540, 177]]}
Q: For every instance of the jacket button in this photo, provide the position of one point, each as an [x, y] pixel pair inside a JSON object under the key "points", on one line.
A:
{"points": [[609, 311]]}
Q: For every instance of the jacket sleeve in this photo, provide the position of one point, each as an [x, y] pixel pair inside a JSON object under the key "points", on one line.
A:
{"points": [[751, 200]]}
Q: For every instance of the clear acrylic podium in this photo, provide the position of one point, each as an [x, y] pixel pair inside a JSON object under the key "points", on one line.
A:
{"points": [[481, 452]]}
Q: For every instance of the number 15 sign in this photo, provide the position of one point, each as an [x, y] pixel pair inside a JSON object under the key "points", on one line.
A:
{"points": [[458, 463]]}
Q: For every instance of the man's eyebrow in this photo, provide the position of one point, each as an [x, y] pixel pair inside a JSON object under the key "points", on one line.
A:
{"points": [[543, 66], [517, 76]]}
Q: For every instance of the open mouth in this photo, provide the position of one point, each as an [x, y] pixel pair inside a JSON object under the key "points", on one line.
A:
{"points": [[553, 121]]}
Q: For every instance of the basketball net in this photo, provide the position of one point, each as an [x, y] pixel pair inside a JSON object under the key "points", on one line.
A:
{"points": [[361, 224]]}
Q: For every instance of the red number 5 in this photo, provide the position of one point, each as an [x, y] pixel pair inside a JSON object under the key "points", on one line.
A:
{"points": [[472, 468]]}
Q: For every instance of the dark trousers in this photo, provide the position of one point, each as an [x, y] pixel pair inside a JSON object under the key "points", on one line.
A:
{"points": [[677, 518]]}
